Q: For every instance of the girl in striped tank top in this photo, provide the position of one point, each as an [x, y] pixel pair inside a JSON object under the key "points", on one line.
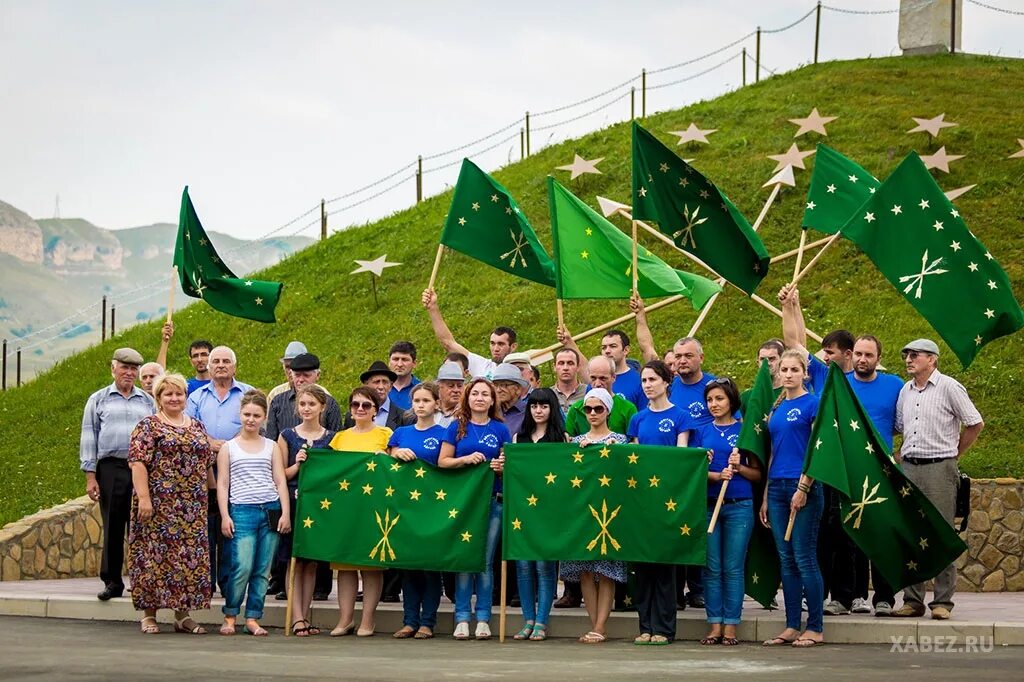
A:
{"points": [[252, 493]]}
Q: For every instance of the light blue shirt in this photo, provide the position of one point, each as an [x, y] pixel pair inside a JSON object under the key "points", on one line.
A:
{"points": [[107, 424], [221, 418], [381, 418]]}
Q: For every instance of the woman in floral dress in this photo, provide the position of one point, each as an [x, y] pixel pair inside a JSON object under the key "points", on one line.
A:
{"points": [[168, 550]]}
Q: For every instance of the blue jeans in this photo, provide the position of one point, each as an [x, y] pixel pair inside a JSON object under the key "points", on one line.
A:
{"points": [[421, 595], [251, 554], [483, 582], [798, 559], [727, 553], [537, 603]]}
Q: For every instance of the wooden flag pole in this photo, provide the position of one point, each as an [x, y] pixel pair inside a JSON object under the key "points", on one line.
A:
{"points": [[174, 283], [767, 205], [561, 314], [718, 507], [636, 245], [501, 611], [437, 265], [789, 526], [789, 254], [800, 252], [707, 308], [291, 596], [817, 257]]}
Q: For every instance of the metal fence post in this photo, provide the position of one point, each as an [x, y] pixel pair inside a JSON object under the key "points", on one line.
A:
{"points": [[757, 58], [419, 179], [527, 133], [103, 322], [522, 145], [744, 66], [817, 31], [643, 93], [113, 310], [952, 27], [632, 103], [3, 382], [323, 220], [18, 370]]}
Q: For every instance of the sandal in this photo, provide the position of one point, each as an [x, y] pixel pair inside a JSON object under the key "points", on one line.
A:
{"points": [[660, 640], [424, 633], [592, 638], [807, 643], [643, 638], [540, 633], [525, 633], [149, 626], [301, 631], [405, 633], [777, 641], [259, 631], [193, 629], [711, 640], [227, 629], [729, 641]]}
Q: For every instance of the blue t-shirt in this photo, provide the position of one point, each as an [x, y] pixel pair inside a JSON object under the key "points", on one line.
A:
{"points": [[690, 397], [194, 383], [403, 397], [721, 440], [486, 439], [790, 428], [879, 400], [426, 443], [628, 386], [659, 428], [817, 372]]}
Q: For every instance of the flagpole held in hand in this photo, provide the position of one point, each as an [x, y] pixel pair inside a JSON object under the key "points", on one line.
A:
{"points": [[437, 265], [793, 252], [789, 526], [174, 283], [561, 314], [635, 247], [718, 507], [501, 611], [800, 253], [291, 593], [817, 257]]}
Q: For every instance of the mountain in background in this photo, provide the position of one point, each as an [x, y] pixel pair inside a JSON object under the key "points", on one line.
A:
{"points": [[51, 268]]}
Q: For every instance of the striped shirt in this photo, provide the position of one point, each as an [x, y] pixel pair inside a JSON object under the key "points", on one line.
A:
{"points": [[108, 422], [252, 476], [930, 418]]}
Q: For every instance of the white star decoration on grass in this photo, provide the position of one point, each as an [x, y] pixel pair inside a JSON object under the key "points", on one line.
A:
{"points": [[783, 177], [940, 159], [581, 166], [376, 266], [932, 126], [814, 122], [959, 192], [1019, 154], [693, 134], [610, 208], [793, 157]]}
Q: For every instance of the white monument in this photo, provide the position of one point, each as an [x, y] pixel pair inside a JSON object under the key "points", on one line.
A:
{"points": [[925, 25]]}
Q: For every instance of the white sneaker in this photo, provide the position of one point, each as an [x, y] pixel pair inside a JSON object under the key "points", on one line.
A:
{"points": [[461, 631], [860, 605], [883, 609], [483, 630]]}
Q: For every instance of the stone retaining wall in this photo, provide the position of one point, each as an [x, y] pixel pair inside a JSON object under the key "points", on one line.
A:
{"points": [[60, 542], [64, 541]]}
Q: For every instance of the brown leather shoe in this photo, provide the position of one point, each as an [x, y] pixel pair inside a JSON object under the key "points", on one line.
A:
{"points": [[567, 602], [940, 613], [908, 611]]}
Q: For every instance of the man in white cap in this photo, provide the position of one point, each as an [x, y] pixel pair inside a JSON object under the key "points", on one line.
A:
{"points": [[110, 416], [450, 382], [939, 423], [295, 348]]}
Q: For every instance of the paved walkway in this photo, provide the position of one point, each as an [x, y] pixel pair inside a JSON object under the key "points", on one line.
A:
{"points": [[996, 616]]}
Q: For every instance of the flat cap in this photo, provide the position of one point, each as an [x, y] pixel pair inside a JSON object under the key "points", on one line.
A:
{"points": [[508, 372], [294, 349], [128, 356], [305, 362], [450, 371], [922, 346], [518, 359]]}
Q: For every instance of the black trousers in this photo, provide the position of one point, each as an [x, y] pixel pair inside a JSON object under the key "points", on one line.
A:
{"points": [[844, 567], [115, 481], [691, 577], [656, 598], [883, 590]]}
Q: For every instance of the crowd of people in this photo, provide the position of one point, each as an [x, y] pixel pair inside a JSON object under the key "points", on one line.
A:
{"points": [[201, 475]]}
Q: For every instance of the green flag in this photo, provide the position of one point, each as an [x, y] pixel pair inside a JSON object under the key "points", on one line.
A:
{"points": [[372, 510], [838, 188], [885, 514], [204, 275], [615, 502], [916, 237], [484, 222], [595, 259], [762, 573], [695, 213]]}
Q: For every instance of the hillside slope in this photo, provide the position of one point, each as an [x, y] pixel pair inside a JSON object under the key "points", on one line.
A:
{"points": [[334, 313]]}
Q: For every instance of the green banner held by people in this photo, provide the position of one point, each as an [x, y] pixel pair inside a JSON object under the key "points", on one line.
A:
{"points": [[893, 523], [595, 259], [917, 239], [612, 502], [691, 210], [485, 222], [839, 186], [204, 275], [375, 511]]}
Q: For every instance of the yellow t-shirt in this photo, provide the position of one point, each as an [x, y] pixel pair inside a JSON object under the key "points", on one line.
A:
{"points": [[349, 440]]}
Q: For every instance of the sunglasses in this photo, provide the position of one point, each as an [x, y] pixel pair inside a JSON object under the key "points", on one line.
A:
{"points": [[721, 381], [913, 354], [594, 409], [359, 405]]}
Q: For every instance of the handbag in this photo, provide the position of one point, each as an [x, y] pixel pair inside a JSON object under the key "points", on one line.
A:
{"points": [[963, 500]]}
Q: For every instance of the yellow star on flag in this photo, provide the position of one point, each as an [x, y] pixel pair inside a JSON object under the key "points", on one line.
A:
{"points": [[755, 579], [911, 565], [532, 499], [631, 482], [684, 529], [905, 491], [654, 480], [307, 522], [414, 495], [633, 458], [467, 536], [452, 513], [371, 466], [576, 481], [343, 485], [604, 452], [550, 478], [420, 472], [441, 494], [577, 457], [396, 466], [605, 481], [517, 524], [367, 489], [325, 503], [389, 491], [670, 505], [923, 543]]}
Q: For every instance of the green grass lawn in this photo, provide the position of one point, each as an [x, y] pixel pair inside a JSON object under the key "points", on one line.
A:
{"points": [[334, 313]]}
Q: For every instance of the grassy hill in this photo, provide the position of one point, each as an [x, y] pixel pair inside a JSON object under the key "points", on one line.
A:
{"points": [[334, 313]]}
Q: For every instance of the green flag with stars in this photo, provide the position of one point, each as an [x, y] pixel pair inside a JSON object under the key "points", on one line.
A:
{"points": [[916, 237], [838, 188], [691, 210], [761, 573], [204, 275], [899, 530], [485, 222], [611, 502], [595, 259], [371, 510]]}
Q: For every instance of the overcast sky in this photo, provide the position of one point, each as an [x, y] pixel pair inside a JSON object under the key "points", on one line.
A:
{"points": [[265, 107]]}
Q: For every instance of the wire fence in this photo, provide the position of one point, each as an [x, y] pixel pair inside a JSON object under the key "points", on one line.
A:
{"points": [[521, 128]]}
